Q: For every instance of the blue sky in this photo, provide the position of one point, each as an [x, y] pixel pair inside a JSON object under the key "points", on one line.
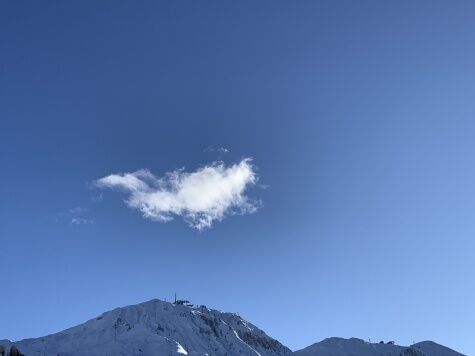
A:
{"points": [[358, 117]]}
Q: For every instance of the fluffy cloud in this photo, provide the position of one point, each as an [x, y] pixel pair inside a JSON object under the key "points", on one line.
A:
{"points": [[209, 194]]}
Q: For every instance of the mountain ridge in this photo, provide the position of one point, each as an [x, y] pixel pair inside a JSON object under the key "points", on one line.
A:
{"points": [[336, 346], [156, 327]]}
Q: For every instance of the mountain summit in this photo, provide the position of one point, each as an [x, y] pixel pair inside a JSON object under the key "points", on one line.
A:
{"points": [[157, 328], [336, 346]]}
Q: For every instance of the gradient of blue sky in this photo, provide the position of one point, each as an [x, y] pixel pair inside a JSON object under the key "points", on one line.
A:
{"points": [[360, 116]]}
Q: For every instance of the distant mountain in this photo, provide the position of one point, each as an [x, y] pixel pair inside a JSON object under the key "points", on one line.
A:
{"points": [[157, 328], [336, 346]]}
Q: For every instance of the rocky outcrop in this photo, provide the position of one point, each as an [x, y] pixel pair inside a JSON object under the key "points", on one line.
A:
{"points": [[14, 351]]}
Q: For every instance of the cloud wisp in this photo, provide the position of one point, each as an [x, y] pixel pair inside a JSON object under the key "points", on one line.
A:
{"points": [[81, 221], [202, 197], [75, 216], [219, 149]]}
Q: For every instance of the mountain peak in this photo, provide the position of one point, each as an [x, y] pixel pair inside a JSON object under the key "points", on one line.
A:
{"points": [[336, 346], [156, 327]]}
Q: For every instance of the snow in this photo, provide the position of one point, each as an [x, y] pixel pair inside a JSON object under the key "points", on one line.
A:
{"points": [[433, 349], [181, 350], [257, 353], [157, 328], [356, 347]]}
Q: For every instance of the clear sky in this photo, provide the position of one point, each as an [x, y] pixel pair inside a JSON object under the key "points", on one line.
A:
{"points": [[359, 117]]}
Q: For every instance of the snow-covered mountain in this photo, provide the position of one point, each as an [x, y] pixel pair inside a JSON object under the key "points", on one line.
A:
{"points": [[157, 328], [336, 346]]}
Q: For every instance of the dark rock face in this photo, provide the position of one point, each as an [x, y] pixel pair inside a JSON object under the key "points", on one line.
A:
{"points": [[412, 352], [256, 340], [14, 351], [213, 323]]}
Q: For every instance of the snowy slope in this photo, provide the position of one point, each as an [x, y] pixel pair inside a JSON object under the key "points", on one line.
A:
{"points": [[157, 328], [356, 347], [160, 328], [433, 349]]}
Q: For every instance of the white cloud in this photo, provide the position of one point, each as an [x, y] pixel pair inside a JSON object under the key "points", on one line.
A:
{"points": [[209, 194], [77, 216], [219, 149], [98, 198], [81, 221], [77, 210]]}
